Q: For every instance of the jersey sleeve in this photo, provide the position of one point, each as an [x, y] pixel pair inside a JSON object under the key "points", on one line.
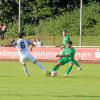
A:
{"points": [[30, 42], [15, 43], [66, 39], [72, 53]]}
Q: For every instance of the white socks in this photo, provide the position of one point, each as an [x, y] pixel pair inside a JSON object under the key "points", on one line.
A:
{"points": [[26, 71], [41, 66]]}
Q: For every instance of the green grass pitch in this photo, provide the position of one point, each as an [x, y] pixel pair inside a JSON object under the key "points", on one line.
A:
{"points": [[83, 85]]}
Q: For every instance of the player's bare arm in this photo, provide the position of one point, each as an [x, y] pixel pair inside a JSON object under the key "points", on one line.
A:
{"points": [[31, 46], [62, 55]]}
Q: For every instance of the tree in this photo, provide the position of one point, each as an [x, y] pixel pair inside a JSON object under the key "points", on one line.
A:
{"points": [[9, 10], [35, 10]]}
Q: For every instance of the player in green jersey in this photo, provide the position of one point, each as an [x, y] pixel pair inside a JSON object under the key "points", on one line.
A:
{"points": [[65, 39], [67, 56]]}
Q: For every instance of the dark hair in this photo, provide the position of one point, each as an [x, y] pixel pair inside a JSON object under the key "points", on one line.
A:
{"points": [[20, 35], [69, 42]]}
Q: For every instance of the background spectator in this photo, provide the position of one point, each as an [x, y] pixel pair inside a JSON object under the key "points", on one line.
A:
{"points": [[39, 43], [12, 41], [3, 29], [35, 42], [0, 29]]}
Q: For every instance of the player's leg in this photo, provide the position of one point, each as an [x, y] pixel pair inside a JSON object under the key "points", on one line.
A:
{"points": [[56, 67], [68, 70], [77, 65], [39, 64], [25, 69], [2, 35]]}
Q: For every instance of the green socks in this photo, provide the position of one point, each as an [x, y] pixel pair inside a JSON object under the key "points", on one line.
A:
{"points": [[55, 68], [68, 70], [76, 63]]}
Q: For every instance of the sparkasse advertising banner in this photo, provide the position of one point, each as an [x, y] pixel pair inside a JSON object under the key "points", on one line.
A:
{"points": [[11, 53]]}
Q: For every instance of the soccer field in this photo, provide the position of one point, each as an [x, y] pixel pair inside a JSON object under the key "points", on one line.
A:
{"points": [[83, 85]]}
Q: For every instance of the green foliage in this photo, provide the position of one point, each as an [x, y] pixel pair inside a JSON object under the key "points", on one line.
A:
{"points": [[8, 10], [12, 29], [38, 9], [91, 19], [50, 17], [70, 20]]}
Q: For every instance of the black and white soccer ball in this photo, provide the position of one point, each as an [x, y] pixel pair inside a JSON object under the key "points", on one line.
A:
{"points": [[53, 73]]}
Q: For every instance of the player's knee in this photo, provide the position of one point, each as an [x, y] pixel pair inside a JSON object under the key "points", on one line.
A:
{"points": [[71, 64], [58, 64], [24, 64]]}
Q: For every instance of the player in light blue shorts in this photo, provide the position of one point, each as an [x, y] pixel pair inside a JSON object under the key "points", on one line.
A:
{"points": [[25, 55]]}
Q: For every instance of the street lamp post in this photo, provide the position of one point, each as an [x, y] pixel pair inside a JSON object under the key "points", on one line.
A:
{"points": [[19, 17], [80, 23], [54, 5]]}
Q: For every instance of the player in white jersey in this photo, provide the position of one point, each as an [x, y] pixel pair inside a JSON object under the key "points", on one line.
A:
{"points": [[25, 55]]}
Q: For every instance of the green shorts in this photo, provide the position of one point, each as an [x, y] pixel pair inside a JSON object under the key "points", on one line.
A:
{"points": [[64, 61]]}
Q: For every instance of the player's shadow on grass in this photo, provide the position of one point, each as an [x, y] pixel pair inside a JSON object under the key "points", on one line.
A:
{"points": [[75, 96], [84, 77], [89, 77], [67, 77], [60, 96], [7, 76]]}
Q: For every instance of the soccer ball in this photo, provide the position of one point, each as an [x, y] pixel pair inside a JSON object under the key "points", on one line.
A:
{"points": [[53, 74]]}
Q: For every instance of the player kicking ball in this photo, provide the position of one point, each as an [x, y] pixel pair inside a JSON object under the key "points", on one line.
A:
{"points": [[25, 55], [67, 56]]}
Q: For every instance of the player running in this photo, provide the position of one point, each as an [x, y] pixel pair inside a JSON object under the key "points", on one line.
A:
{"points": [[24, 55], [67, 56]]}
